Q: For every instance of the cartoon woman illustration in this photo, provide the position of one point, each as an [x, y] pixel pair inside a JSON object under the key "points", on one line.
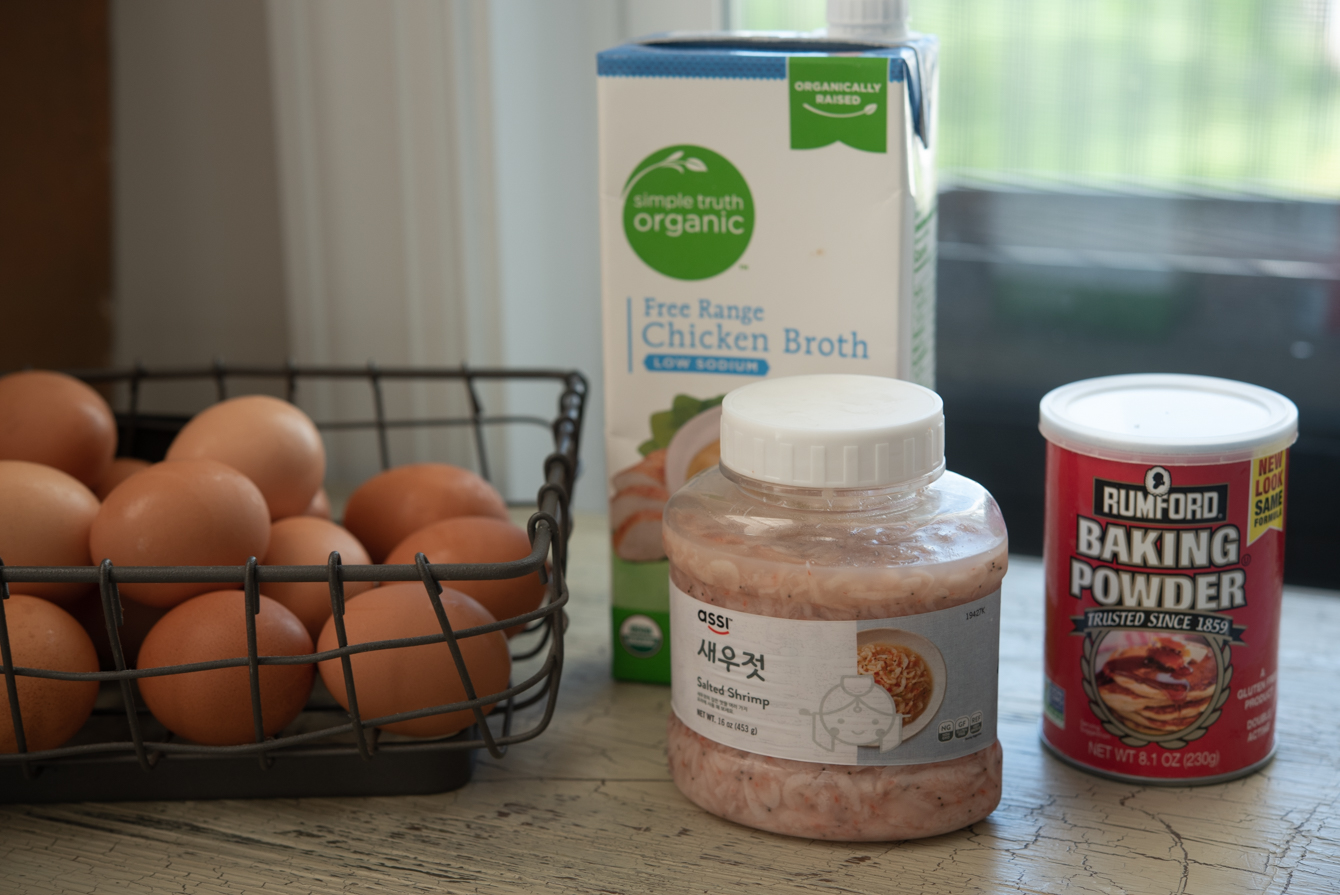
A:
{"points": [[857, 712]]}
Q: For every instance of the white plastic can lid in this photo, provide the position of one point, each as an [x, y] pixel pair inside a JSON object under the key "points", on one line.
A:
{"points": [[833, 431], [1168, 416]]}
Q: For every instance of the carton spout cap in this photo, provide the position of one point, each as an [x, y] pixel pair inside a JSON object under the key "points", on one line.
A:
{"points": [[877, 20]]}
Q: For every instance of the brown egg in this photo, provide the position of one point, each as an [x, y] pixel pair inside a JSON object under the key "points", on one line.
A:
{"points": [[320, 505], [305, 541], [390, 506], [121, 469], [180, 513], [136, 622], [268, 440], [214, 707], [45, 516], [417, 677], [56, 420], [479, 539], [42, 635]]}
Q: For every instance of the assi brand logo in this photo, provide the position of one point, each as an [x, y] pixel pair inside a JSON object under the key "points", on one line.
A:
{"points": [[717, 624]]}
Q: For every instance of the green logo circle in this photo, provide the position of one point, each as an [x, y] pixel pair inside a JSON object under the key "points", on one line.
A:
{"points": [[641, 636], [687, 212]]}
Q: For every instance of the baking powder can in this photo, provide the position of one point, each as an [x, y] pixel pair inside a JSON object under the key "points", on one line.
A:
{"points": [[1164, 556]]}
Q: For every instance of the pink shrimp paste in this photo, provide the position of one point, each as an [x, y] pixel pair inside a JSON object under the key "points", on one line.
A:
{"points": [[846, 567]]}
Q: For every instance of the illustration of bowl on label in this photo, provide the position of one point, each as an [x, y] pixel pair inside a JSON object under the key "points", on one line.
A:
{"points": [[695, 447], [909, 668]]}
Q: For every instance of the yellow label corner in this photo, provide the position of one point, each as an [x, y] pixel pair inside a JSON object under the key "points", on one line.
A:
{"points": [[1269, 476]]}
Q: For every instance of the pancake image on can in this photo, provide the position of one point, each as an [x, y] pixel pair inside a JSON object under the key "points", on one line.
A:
{"points": [[1155, 685]]}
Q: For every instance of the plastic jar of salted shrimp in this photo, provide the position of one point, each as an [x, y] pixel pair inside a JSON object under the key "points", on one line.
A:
{"points": [[835, 612]]}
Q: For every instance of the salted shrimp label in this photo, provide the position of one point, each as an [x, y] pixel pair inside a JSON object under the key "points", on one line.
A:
{"points": [[892, 691]]}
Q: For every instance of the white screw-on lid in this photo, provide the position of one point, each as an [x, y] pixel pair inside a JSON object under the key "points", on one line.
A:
{"points": [[1153, 416], [868, 19], [833, 431]]}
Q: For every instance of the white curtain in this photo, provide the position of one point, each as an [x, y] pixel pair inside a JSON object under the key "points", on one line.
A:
{"points": [[438, 172]]}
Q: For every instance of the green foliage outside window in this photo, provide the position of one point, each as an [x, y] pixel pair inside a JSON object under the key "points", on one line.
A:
{"points": [[1186, 95]]}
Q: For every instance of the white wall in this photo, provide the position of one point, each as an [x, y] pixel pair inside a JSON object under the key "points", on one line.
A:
{"points": [[198, 258]]}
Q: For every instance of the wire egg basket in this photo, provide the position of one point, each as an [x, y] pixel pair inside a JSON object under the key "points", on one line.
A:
{"points": [[123, 753]]}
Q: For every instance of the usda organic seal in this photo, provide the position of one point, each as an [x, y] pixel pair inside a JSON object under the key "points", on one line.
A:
{"points": [[641, 636]]}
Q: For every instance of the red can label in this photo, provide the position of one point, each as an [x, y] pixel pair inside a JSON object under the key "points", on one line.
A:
{"points": [[1163, 604]]}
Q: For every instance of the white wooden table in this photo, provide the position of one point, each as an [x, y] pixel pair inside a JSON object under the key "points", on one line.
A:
{"points": [[589, 806]]}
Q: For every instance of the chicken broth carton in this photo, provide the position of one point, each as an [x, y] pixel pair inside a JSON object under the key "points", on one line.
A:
{"points": [[767, 208]]}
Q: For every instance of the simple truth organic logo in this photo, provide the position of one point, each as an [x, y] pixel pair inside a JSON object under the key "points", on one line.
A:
{"points": [[687, 212]]}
